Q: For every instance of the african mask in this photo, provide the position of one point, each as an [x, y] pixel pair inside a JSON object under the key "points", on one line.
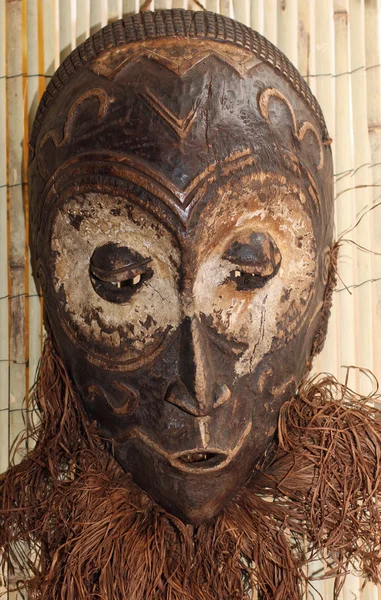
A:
{"points": [[182, 215], [181, 231]]}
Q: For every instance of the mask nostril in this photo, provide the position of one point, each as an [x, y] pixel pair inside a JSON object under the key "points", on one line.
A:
{"points": [[221, 395], [178, 395]]}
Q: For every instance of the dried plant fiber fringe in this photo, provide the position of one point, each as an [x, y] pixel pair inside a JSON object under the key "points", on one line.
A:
{"points": [[73, 526]]}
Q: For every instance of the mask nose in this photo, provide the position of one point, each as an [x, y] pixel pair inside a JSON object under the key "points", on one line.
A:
{"points": [[195, 389]]}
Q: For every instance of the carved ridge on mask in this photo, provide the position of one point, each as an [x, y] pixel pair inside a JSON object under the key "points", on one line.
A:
{"points": [[138, 171], [131, 397], [294, 164], [243, 62], [104, 102], [163, 342], [300, 130], [180, 126]]}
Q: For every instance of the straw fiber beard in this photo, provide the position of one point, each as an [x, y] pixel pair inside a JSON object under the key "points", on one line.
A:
{"points": [[74, 526]]}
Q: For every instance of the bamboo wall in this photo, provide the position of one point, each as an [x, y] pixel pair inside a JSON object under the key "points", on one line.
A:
{"points": [[336, 44]]}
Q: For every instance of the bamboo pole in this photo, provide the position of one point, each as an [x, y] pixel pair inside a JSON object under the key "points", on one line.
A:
{"points": [[130, 7], [98, 15], [345, 202], [373, 79], [180, 4], [242, 11], [257, 15], [316, 570], [65, 38], [82, 21], [363, 197], [270, 21], [288, 29], [114, 10], [325, 93], [351, 590], [306, 41], [4, 321], [369, 591], [16, 218], [213, 5], [49, 30], [160, 4], [226, 8]]}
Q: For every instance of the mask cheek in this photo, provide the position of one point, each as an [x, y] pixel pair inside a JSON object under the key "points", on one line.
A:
{"points": [[262, 320], [251, 320]]}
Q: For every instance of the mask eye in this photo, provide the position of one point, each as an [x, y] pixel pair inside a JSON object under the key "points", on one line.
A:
{"points": [[256, 259], [117, 273]]}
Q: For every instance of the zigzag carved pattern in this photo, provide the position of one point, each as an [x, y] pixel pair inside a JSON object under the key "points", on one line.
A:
{"points": [[237, 58], [180, 126]]}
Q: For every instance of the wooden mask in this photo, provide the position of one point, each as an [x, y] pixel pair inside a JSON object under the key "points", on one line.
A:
{"points": [[181, 195], [181, 203]]}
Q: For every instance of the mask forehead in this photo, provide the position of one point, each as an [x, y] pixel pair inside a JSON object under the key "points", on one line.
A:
{"points": [[202, 104]]}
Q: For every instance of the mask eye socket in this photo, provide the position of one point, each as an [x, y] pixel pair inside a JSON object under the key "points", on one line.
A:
{"points": [[117, 272], [257, 260]]}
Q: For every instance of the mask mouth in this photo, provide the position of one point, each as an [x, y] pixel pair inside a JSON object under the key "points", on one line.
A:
{"points": [[190, 461], [201, 459]]}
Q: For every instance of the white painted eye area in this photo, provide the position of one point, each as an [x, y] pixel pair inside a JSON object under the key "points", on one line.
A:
{"points": [[257, 259], [115, 272], [257, 270], [118, 272]]}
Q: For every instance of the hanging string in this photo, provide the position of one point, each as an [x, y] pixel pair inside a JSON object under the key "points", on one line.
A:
{"points": [[334, 75], [26, 75], [22, 295], [145, 6], [197, 3]]}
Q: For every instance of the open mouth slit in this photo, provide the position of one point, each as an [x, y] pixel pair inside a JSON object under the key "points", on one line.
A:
{"points": [[201, 459]]}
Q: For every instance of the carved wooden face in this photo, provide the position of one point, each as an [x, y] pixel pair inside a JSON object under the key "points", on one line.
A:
{"points": [[183, 249]]}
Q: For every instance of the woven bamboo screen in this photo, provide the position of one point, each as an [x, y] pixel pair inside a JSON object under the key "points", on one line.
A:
{"points": [[336, 44]]}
